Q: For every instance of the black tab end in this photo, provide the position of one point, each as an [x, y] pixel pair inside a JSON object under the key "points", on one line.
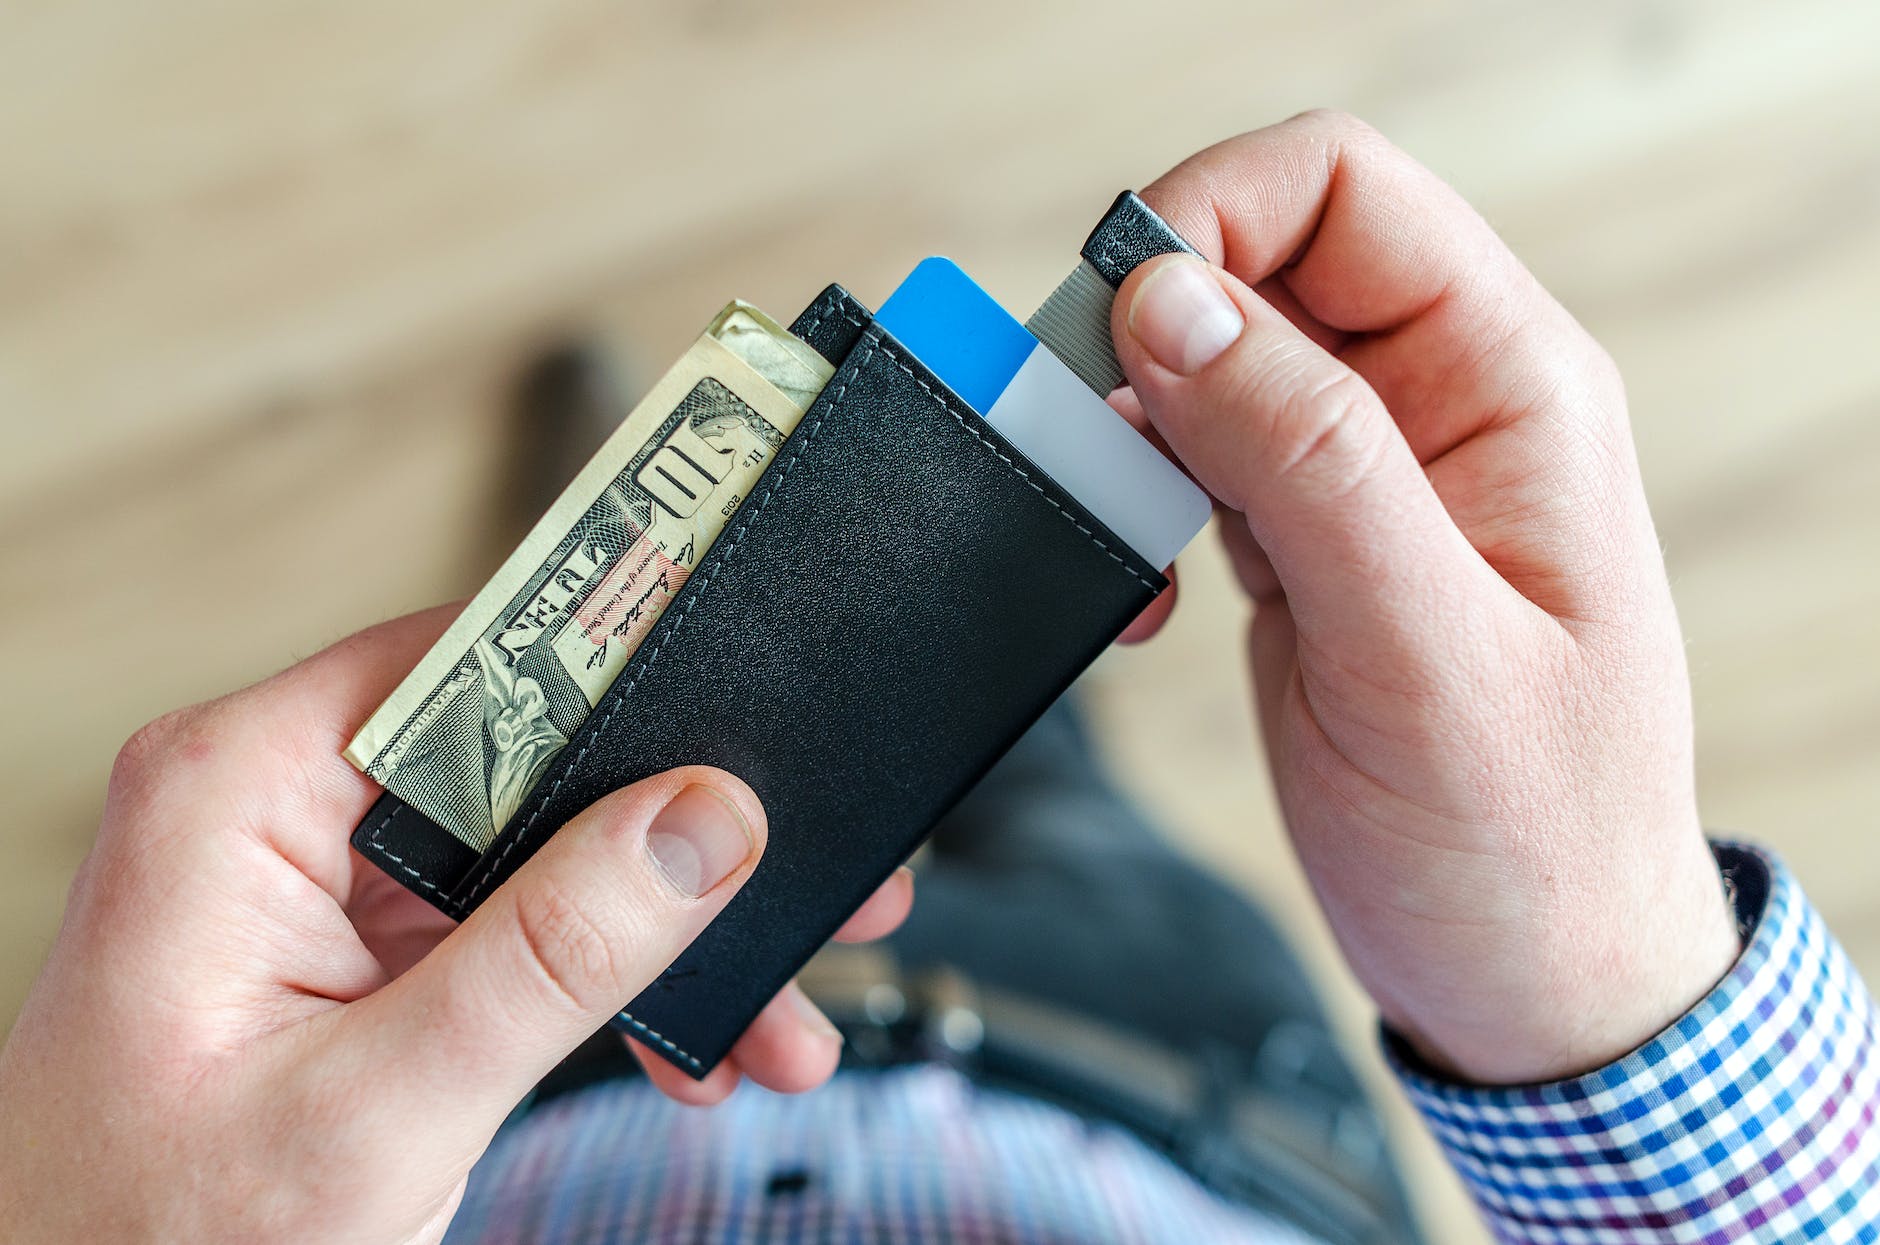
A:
{"points": [[1130, 234]]}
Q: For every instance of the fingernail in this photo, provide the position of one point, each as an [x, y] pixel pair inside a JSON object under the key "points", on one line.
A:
{"points": [[698, 840], [812, 1016], [1182, 317]]}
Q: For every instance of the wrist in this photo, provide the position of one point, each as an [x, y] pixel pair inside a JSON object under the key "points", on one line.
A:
{"points": [[1591, 988]]}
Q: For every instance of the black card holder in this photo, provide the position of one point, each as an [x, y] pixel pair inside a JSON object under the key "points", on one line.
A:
{"points": [[901, 598]]}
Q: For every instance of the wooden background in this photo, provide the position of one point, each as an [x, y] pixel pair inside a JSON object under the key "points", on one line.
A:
{"points": [[268, 272]]}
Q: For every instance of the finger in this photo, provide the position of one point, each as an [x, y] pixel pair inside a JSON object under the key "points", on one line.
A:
{"points": [[1367, 238], [318, 705], [1362, 235], [714, 1088], [308, 710], [791, 1046], [1281, 431], [1154, 616], [1371, 243], [882, 912], [562, 946], [1124, 402], [790, 1033], [287, 733], [1272, 655], [786, 1047], [1279, 297], [195, 771], [1251, 566], [351, 677], [396, 926]]}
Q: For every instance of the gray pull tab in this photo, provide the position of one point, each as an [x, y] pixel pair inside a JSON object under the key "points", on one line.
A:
{"points": [[1074, 322]]}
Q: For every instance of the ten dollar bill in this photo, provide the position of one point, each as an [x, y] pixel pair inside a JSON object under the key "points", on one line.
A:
{"points": [[468, 733]]}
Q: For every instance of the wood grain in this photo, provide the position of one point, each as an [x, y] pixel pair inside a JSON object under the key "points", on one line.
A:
{"points": [[266, 273]]}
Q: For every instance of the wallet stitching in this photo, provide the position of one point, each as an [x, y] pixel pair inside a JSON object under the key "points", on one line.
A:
{"points": [[829, 304], [377, 843], [1017, 470], [617, 696], [660, 1038], [376, 839]]}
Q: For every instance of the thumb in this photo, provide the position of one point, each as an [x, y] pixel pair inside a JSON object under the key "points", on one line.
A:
{"points": [[590, 921], [1279, 429]]}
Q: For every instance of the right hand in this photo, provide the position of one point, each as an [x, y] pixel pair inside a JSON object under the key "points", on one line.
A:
{"points": [[1468, 668]]}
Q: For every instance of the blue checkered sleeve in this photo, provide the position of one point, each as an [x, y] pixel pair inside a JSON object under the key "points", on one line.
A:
{"points": [[1750, 1119]]}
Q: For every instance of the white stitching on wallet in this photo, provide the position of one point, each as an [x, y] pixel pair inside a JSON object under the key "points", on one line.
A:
{"points": [[1017, 470], [617, 695], [661, 1038], [1022, 474], [378, 843], [829, 304]]}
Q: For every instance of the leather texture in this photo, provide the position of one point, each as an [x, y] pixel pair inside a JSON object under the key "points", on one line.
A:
{"points": [[1129, 234], [901, 598], [417, 852]]}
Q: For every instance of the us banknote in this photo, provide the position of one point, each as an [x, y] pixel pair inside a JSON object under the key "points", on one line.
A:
{"points": [[470, 731]]}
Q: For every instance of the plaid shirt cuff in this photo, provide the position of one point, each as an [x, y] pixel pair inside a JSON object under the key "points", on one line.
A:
{"points": [[1750, 1119]]}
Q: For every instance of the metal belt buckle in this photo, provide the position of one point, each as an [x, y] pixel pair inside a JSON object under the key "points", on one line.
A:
{"points": [[889, 1016]]}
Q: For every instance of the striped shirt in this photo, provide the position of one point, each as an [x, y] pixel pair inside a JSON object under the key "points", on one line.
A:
{"points": [[1750, 1119]]}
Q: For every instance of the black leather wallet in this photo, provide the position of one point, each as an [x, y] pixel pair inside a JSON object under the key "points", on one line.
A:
{"points": [[904, 595]]}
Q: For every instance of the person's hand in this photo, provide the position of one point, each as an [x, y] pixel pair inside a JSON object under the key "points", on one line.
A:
{"points": [[1469, 672], [246, 1032]]}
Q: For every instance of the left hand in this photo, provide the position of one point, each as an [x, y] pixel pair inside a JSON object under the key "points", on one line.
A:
{"points": [[246, 1032]]}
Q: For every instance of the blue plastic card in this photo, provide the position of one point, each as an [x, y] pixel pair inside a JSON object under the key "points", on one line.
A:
{"points": [[992, 362]]}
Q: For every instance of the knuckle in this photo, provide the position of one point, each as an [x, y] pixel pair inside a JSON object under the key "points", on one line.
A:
{"points": [[1346, 142], [1342, 133], [1608, 382], [1336, 120], [1323, 428], [150, 749], [569, 954], [170, 749]]}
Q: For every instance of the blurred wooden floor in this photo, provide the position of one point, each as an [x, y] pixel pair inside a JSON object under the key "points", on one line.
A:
{"points": [[265, 274]]}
